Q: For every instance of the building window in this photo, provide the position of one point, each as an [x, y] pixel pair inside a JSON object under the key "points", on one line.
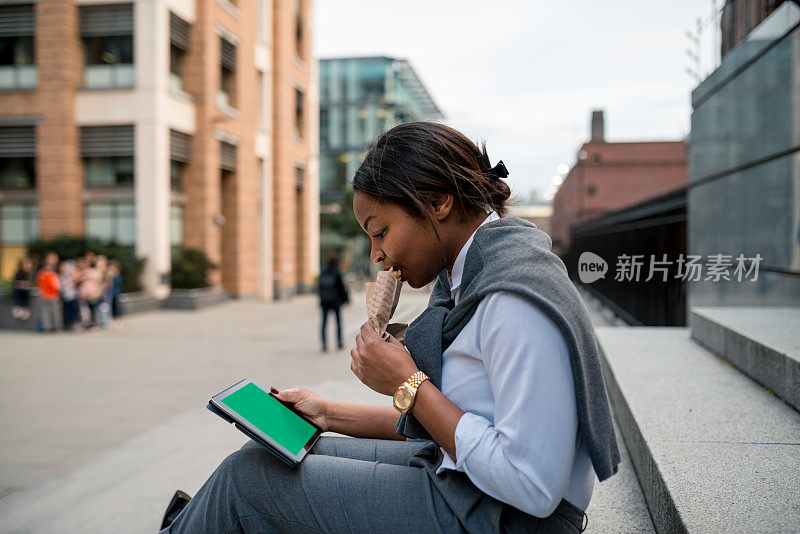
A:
{"points": [[323, 128], [19, 223], [17, 157], [115, 171], [180, 152], [299, 112], [112, 221], [177, 170], [176, 225], [333, 172], [226, 97], [17, 173], [107, 153], [299, 177], [371, 76], [17, 67], [107, 34], [590, 191], [179, 43], [299, 30], [227, 156], [176, 56]]}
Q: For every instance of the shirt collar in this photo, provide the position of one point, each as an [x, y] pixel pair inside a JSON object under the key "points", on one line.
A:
{"points": [[458, 266]]}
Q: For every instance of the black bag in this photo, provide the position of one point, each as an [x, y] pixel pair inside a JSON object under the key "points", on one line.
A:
{"points": [[329, 287]]}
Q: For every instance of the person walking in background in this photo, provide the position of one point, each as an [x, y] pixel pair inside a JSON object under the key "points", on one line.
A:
{"points": [[49, 284], [21, 308], [69, 294], [332, 294], [115, 273]]}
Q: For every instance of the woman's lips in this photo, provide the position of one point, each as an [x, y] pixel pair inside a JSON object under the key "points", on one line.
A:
{"points": [[397, 269]]}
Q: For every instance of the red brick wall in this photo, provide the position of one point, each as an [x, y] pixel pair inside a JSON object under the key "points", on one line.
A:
{"points": [[290, 225], [621, 174], [59, 172], [234, 247]]}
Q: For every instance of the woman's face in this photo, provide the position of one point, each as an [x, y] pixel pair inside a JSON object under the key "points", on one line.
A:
{"points": [[399, 240]]}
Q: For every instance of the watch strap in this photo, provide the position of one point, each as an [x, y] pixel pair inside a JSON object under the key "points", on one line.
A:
{"points": [[416, 380]]}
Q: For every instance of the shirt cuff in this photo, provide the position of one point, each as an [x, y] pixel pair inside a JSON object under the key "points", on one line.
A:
{"points": [[469, 430]]}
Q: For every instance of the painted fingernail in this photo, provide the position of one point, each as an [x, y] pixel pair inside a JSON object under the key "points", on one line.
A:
{"points": [[273, 390]]}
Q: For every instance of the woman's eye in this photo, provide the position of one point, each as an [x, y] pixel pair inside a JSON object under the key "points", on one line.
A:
{"points": [[381, 234]]}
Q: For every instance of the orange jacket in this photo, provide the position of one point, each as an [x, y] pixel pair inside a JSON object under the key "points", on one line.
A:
{"points": [[49, 285]]}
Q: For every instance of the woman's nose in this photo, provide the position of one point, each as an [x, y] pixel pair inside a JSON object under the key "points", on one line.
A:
{"points": [[376, 255]]}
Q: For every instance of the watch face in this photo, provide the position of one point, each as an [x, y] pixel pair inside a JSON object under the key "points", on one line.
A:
{"points": [[403, 398]]}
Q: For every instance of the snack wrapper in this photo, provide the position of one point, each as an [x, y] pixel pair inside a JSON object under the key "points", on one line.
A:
{"points": [[382, 298]]}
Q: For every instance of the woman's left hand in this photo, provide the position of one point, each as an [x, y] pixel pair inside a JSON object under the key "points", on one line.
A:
{"points": [[382, 366]]}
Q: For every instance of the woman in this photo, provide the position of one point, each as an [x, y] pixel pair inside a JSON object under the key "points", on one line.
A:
{"points": [[92, 285], [499, 381], [22, 290], [69, 294]]}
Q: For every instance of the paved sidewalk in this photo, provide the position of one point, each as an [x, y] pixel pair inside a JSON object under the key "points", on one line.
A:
{"points": [[98, 430], [68, 397]]}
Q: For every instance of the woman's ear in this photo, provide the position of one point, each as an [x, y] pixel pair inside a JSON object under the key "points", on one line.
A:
{"points": [[441, 206]]}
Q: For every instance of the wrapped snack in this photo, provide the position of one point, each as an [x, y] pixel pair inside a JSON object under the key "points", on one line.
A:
{"points": [[382, 298]]}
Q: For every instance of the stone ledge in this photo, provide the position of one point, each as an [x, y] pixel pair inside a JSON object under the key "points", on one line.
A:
{"points": [[137, 303], [710, 447], [194, 299], [8, 321], [762, 342]]}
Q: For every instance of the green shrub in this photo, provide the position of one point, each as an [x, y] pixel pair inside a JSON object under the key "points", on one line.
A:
{"points": [[70, 247], [190, 269]]}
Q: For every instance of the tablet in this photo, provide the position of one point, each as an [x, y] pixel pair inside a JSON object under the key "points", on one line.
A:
{"points": [[267, 420]]}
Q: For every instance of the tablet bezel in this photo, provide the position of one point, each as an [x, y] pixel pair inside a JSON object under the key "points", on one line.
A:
{"points": [[216, 401]]}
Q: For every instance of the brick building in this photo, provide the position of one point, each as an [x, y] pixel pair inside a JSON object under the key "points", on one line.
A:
{"points": [[164, 124], [610, 176]]}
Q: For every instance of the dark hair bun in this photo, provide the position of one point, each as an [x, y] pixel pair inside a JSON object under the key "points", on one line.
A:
{"points": [[416, 161]]}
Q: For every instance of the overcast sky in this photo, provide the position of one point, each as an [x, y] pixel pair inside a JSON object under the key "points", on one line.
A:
{"points": [[525, 75]]}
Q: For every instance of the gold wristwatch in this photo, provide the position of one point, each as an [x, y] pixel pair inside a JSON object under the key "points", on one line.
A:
{"points": [[406, 394]]}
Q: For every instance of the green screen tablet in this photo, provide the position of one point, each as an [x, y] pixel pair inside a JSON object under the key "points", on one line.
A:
{"points": [[267, 420]]}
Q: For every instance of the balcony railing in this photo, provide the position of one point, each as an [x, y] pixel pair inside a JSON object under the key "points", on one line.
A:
{"points": [[117, 76], [18, 77]]}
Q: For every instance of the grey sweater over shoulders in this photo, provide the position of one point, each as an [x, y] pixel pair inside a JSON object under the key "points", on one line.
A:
{"points": [[511, 254]]}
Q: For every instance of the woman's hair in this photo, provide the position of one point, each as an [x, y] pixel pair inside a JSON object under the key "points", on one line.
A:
{"points": [[414, 162]]}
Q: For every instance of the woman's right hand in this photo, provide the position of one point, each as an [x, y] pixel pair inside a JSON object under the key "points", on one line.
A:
{"points": [[308, 403]]}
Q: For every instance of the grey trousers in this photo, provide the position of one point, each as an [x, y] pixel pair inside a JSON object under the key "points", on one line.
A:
{"points": [[345, 485], [50, 314]]}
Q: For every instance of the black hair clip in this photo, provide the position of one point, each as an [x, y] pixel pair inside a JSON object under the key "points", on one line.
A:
{"points": [[499, 170]]}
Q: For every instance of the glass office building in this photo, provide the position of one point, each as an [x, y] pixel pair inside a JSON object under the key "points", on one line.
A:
{"points": [[360, 98], [744, 166]]}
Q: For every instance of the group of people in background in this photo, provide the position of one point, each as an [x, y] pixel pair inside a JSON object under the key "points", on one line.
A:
{"points": [[81, 292]]}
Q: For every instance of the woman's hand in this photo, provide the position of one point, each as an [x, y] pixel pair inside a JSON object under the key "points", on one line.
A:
{"points": [[307, 403], [382, 366]]}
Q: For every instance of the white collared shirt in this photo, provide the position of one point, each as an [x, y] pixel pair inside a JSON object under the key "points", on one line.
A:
{"points": [[509, 370]]}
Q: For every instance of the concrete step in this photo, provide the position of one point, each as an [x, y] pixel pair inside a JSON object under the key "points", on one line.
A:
{"points": [[618, 504], [133, 482], [762, 342], [713, 451]]}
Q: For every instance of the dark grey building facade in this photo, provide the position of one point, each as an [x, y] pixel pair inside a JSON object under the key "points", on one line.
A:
{"points": [[744, 166]]}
